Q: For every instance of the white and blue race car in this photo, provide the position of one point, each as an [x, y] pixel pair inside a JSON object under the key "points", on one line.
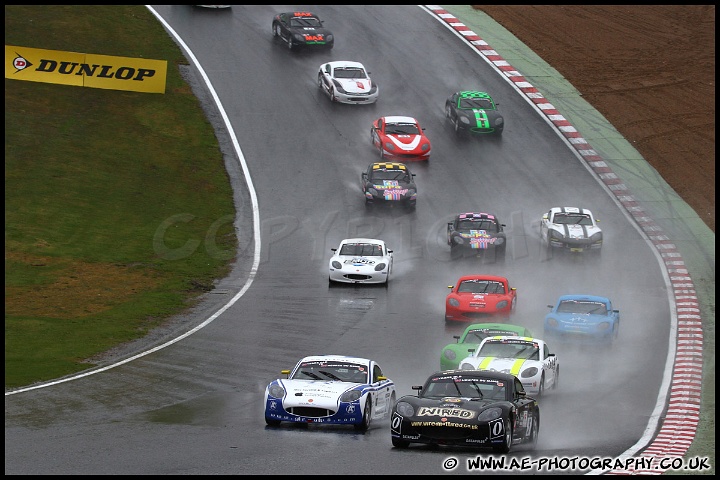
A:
{"points": [[361, 260], [330, 390]]}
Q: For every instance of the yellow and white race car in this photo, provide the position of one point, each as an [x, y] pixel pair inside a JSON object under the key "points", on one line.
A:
{"points": [[529, 359]]}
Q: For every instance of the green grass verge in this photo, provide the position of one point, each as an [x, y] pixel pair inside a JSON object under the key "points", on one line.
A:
{"points": [[111, 198]]}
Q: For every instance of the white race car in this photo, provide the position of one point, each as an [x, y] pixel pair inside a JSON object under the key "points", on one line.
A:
{"points": [[330, 390], [347, 82], [571, 229], [361, 260], [527, 358]]}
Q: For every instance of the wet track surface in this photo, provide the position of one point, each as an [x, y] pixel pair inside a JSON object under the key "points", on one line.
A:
{"points": [[195, 407]]}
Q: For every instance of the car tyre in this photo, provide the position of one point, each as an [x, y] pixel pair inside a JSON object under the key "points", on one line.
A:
{"points": [[320, 82], [541, 388], [456, 125], [364, 425], [397, 443], [333, 98], [272, 422], [276, 31], [447, 111], [507, 440], [557, 379]]}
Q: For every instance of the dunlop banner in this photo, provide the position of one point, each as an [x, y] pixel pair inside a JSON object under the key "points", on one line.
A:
{"points": [[85, 70]]}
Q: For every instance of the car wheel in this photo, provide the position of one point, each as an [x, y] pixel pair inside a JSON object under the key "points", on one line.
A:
{"points": [[557, 379], [290, 43], [390, 406], [272, 422], [276, 30], [447, 110], [397, 443], [331, 284], [507, 440], [514, 304], [320, 82], [541, 388], [387, 281], [333, 98], [367, 417]]}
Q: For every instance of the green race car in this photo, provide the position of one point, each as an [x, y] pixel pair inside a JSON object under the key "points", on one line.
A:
{"points": [[471, 338]]}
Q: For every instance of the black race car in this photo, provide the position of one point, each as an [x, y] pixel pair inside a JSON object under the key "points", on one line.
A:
{"points": [[474, 112], [467, 407], [389, 183], [300, 29], [471, 234]]}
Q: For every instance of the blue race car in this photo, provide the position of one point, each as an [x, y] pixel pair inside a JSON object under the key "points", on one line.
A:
{"points": [[583, 319]]}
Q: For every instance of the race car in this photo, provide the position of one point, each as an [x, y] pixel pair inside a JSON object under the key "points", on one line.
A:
{"points": [[582, 319], [474, 112], [469, 408], [400, 138], [570, 229], [330, 390], [347, 82], [390, 184], [301, 29], [361, 260], [527, 358], [479, 296], [469, 341], [476, 233]]}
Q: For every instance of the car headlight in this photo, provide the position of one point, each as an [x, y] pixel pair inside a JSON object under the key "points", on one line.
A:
{"points": [[372, 192], [329, 37], [502, 304], [338, 87], [499, 241], [458, 239], [489, 414], [411, 192], [529, 372], [336, 265], [454, 302], [596, 237], [467, 366], [380, 266], [389, 146], [350, 396], [405, 409], [450, 354], [556, 234], [276, 391], [299, 37], [499, 122], [552, 322], [603, 325], [425, 147], [464, 120]]}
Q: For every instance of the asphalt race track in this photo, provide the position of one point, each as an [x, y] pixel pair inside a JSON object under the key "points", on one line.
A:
{"points": [[196, 406]]}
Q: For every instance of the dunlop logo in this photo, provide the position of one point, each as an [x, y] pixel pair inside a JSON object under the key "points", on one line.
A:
{"points": [[85, 70]]}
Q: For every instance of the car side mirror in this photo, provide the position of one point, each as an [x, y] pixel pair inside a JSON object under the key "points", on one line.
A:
{"points": [[551, 354], [521, 394], [513, 288], [334, 249], [550, 306], [450, 286], [390, 251], [380, 378], [616, 311]]}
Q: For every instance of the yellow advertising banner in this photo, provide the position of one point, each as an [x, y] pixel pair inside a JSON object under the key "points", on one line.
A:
{"points": [[85, 69]]}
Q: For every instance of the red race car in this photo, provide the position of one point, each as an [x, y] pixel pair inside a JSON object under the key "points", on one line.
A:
{"points": [[479, 296], [400, 139]]}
